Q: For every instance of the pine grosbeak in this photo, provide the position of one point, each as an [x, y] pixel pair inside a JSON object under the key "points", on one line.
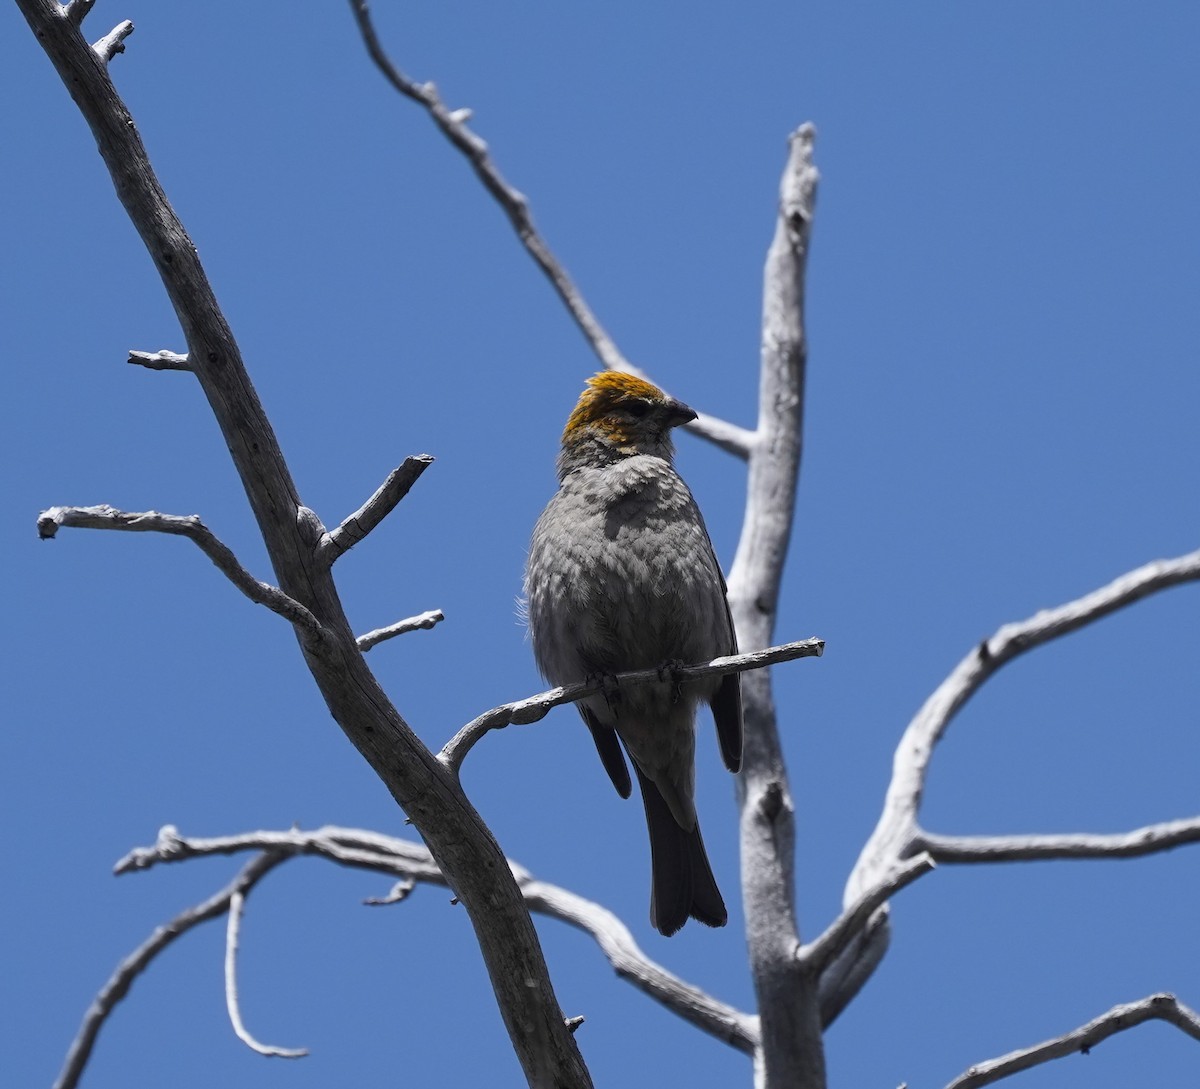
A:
{"points": [[622, 576]]}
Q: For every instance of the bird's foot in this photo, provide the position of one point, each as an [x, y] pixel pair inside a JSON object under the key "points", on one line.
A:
{"points": [[609, 688], [669, 671]]}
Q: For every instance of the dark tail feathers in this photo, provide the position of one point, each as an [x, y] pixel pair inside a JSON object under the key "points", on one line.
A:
{"points": [[683, 885]]}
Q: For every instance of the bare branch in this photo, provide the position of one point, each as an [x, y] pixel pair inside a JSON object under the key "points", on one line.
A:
{"points": [[1151, 839], [190, 526], [410, 862], [535, 708], [160, 361], [735, 440], [817, 955], [76, 11], [848, 974], [354, 528], [897, 829], [515, 205], [139, 960], [1161, 1007], [113, 42], [237, 906], [792, 1050], [398, 893], [726, 1023], [401, 627]]}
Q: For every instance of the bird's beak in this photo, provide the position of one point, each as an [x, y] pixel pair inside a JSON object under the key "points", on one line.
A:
{"points": [[679, 413]]}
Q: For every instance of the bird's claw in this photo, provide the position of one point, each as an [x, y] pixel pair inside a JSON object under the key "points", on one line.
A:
{"points": [[669, 671]]}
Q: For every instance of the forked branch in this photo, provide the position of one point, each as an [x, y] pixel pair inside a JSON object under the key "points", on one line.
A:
{"points": [[140, 959], [411, 862]]}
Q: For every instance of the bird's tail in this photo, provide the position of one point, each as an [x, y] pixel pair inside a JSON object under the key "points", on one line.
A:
{"points": [[682, 879]]}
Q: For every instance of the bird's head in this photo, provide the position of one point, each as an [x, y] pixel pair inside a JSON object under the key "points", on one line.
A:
{"points": [[619, 416]]}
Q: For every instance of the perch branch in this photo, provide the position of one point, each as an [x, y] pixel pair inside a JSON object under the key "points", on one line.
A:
{"points": [[535, 708], [1151, 839], [401, 627], [354, 528], [1161, 1007], [190, 526], [139, 960], [515, 205], [237, 907], [408, 862], [160, 361]]}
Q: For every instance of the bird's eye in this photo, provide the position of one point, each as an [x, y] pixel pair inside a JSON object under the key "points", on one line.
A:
{"points": [[637, 409]]}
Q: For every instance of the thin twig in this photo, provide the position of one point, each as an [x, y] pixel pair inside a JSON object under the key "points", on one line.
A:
{"points": [[113, 42], [139, 960], [162, 360], [817, 955], [1151, 839], [515, 205], [535, 708], [401, 627], [354, 528], [233, 926], [190, 526], [1161, 1007]]}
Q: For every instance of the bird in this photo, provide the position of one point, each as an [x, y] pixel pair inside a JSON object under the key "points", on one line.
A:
{"points": [[621, 575]]}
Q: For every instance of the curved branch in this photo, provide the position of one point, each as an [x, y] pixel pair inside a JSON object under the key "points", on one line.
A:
{"points": [[409, 861], [1151, 839], [190, 526], [535, 708], [1161, 1007], [139, 960], [817, 955], [898, 835], [730, 1025], [897, 829], [237, 906]]}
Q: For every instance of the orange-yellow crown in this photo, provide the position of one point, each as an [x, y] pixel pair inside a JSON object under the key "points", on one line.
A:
{"points": [[606, 391]]}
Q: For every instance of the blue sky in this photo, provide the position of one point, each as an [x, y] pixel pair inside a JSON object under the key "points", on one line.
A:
{"points": [[1002, 415]]}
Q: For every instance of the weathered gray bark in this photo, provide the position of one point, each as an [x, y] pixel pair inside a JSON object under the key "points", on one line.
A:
{"points": [[790, 1051], [465, 850]]}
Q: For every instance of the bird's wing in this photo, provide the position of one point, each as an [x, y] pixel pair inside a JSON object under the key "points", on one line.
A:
{"points": [[726, 703], [609, 749]]}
